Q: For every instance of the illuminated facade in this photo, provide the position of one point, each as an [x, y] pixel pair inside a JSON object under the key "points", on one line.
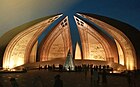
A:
{"points": [[100, 43], [125, 48], [22, 48]]}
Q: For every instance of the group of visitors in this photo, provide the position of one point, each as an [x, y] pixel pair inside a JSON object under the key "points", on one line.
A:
{"points": [[78, 68], [99, 75], [51, 67]]}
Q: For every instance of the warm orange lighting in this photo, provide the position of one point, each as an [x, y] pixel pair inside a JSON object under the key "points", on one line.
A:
{"points": [[33, 53], [121, 54], [11, 64], [126, 51], [105, 44], [77, 52], [91, 46], [20, 50]]}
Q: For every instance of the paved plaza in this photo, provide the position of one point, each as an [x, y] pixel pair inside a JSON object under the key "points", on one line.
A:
{"points": [[45, 78]]}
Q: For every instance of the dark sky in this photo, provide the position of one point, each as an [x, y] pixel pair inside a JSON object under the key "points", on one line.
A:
{"points": [[17, 12], [127, 11]]}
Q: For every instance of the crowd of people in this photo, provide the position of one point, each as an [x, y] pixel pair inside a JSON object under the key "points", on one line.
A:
{"points": [[79, 68], [98, 75]]}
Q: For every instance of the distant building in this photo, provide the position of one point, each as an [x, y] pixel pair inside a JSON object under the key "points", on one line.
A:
{"points": [[103, 41]]}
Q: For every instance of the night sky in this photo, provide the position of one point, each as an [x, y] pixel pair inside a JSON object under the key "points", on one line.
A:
{"points": [[17, 12]]}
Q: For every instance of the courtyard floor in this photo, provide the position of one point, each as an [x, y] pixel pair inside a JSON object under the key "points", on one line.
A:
{"points": [[45, 78]]}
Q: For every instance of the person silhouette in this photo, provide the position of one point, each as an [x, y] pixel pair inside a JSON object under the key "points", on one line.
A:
{"points": [[95, 77], [37, 82], [14, 82], [58, 81]]}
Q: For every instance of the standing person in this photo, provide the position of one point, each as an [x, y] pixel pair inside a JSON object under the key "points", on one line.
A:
{"points": [[86, 71], [14, 82], [95, 77], [37, 82], [58, 81], [131, 79], [104, 78]]}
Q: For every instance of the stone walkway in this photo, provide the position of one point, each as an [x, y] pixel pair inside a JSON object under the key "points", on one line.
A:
{"points": [[45, 78]]}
